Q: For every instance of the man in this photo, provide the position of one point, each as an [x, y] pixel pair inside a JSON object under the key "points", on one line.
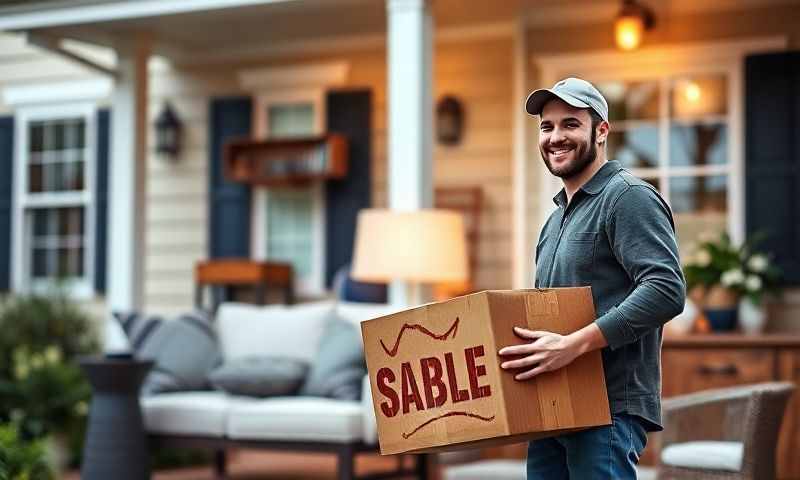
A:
{"points": [[613, 232]]}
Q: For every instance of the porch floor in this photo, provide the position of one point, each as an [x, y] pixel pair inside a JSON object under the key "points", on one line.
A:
{"points": [[258, 465]]}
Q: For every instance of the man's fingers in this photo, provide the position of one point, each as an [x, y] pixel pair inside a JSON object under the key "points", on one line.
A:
{"points": [[523, 349], [532, 334], [523, 362]]}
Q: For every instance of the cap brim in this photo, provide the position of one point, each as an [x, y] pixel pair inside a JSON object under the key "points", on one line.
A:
{"points": [[538, 98]]}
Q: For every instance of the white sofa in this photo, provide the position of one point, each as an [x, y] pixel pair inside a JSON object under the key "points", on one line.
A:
{"points": [[216, 420]]}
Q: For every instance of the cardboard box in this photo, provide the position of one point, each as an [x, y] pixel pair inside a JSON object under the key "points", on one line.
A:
{"points": [[436, 378]]}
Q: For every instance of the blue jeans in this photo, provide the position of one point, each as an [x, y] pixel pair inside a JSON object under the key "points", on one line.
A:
{"points": [[609, 452]]}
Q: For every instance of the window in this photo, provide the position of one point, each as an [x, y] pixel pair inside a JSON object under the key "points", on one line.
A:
{"points": [[53, 201], [674, 133], [289, 222]]}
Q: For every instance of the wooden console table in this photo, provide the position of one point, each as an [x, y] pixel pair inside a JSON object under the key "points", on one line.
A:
{"points": [[238, 272], [698, 362]]}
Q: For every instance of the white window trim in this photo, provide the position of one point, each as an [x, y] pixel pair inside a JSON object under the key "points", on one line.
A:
{"points": [[20, 281], [314, 285], [659, 62]]}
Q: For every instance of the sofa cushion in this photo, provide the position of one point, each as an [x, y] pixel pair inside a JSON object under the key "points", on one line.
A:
{"points": [[187, 413], [296, 419], [185, 350], [288, 331], [710, 455], [339, 364], [262, 376], [495, 469]]}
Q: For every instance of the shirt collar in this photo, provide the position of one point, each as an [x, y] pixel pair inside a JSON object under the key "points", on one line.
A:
{"points": [[595, 185]]}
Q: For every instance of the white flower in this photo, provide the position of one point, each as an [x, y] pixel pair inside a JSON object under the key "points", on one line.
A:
{"points": [[753, 283], [732, 277], [757, 263], [703, 258]]}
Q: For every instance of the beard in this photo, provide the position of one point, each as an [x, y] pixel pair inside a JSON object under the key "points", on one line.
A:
{"points": [[585, 154]]}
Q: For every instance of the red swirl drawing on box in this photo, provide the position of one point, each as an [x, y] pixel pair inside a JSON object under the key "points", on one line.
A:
{"points": [[406, 436], [414, 326]]}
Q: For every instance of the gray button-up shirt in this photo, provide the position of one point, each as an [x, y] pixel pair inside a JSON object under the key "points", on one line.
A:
{"points": [[617, 235]]}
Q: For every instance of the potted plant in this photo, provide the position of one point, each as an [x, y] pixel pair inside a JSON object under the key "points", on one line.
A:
{"points": [[724, 278], [19, 459], [42, 390]]}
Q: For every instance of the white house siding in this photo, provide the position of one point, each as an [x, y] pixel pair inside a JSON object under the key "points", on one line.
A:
{"points": [[25, 65], [177, 191], [477, 71]]}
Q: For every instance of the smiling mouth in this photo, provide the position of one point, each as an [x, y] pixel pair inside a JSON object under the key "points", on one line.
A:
{"points": [[559, 152]]}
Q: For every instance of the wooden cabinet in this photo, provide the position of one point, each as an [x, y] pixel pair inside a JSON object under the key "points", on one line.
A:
{"points": [[700, 362]]}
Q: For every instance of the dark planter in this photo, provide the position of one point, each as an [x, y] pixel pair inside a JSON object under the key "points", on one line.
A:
{"points": [[116, 444], [721, 319]]}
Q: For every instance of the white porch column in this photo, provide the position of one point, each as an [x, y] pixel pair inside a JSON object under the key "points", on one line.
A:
{"points": [[410, 34], [521, 260], [127, 170]]}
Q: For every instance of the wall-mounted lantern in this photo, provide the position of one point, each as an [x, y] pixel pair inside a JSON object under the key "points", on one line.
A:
{"points": [[169, 130], [449, 120], [631, 23]]}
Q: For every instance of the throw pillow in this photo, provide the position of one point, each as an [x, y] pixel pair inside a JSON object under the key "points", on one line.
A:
{"points": [[260, 376], [184, 350], [286, 331], [339, 365]]}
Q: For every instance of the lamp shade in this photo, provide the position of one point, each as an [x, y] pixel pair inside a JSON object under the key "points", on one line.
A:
{"points": [[415, 246]]}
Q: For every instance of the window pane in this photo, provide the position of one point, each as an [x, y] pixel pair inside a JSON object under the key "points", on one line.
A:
{"points": [[35, 178], [697, 96], [39, 263], [56, 155], [634, 148], [290, 228], [36, 134], [291, 120], [698, 144], [630, 100], [59, 133], [74, 132], [700, 207], [57, 242]]}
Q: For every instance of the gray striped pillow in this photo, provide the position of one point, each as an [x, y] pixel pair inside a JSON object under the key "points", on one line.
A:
{"points": [[184, 349]]}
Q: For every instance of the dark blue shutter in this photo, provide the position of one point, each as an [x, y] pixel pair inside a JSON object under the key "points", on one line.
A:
{"points": [[6, 198], [101, 200], [348, 113], [229, 202], [772, 181]]}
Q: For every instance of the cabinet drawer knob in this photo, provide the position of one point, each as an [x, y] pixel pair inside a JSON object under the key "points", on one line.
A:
{"points": [[727, 369]]}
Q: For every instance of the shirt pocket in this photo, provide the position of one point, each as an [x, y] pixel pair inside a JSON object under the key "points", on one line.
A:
{"points": [[581, 246]]}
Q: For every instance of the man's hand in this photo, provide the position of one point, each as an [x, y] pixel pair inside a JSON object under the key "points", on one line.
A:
{"points": [[550, 351]]}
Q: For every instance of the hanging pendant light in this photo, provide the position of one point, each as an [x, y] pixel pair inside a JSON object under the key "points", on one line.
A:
{"points": [[631, 23]]}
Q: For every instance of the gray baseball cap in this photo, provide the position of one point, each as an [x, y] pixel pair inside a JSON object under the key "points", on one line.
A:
{"points": [[576, 92]]}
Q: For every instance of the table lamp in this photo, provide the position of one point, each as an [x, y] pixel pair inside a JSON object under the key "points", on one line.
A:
{"points": [[416, 247]]}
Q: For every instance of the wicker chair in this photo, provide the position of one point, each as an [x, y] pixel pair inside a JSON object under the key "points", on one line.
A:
{"points": [[729, 433]]}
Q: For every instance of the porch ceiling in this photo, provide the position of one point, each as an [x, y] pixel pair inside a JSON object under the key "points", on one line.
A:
{"points": [[187, 30], [250, 25]]}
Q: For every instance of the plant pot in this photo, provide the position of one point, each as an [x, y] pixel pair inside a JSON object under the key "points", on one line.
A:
{"points": [[721, 319], [752, 317]]}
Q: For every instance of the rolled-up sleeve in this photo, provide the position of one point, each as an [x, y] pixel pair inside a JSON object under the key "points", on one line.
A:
{"points": [[642, 236]]}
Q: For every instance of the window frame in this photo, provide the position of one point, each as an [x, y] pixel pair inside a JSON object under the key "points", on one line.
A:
{"points": [[314, 284], [81, 288]]}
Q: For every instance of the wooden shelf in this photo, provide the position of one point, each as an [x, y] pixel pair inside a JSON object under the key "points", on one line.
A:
{"points": [[288, 162]]}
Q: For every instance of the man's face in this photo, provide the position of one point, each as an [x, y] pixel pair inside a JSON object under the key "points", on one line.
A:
{"points": [[566, 139]]}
